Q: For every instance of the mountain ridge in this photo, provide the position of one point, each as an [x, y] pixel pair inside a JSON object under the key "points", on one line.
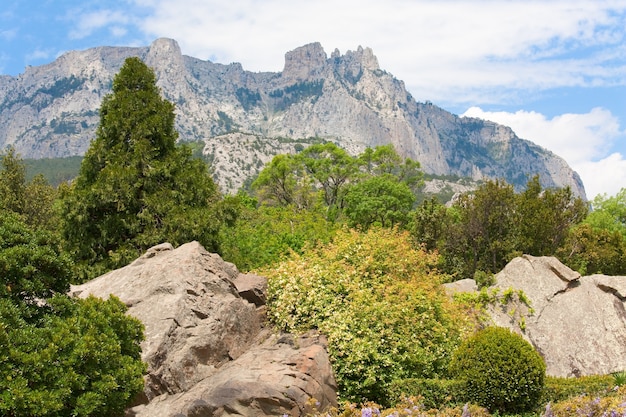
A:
{"points": [[52, 110]]}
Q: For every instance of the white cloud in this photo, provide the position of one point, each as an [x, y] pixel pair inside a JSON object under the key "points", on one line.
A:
{"points": [[585, 141], [443, 50], [89, 22], [8, 34], [38, 55], [606, 176]]}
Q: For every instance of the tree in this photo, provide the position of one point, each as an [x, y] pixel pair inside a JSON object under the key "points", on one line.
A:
{"points": [[332, 167], [12, 181], [32, 200], [136, 187], [282, 183], [589, 250], [385, 160], [495, 224], [381, 200], [430, 222], [609, 212], [483, 237], [375, 187], [59, 356], [545, 217], [32, 266]]}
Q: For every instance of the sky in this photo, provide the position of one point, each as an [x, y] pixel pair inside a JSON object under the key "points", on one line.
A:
{"points": [[552, 70]]}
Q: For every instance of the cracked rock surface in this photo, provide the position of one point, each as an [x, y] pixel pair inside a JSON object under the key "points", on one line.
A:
{"points": [[577, 323], [207, 346]]}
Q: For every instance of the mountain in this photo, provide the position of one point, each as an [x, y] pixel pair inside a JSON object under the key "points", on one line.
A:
{"points": [[245, 117]]}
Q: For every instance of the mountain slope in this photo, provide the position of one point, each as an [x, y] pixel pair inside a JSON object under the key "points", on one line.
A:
{"points": [[245, 117]]}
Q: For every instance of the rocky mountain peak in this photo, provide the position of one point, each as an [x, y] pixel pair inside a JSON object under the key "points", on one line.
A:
{"points": [[52, 110], [165, 57], [365, 57], [304, 62], [164, 51]]}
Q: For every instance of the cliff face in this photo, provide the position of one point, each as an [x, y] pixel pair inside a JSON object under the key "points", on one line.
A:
{"points": [[52, 111]]}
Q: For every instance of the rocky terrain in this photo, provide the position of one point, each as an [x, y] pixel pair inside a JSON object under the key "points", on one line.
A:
{"points": [[207, 346], [245, 118], [210, 352], [577, 323]]}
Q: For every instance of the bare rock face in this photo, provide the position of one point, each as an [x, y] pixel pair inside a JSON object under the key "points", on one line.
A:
{"points": [[52, 111], [304, 62], [206, 346], [578, 324]]}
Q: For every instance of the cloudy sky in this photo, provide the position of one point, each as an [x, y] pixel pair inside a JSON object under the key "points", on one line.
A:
{"points": [[555, 71]]}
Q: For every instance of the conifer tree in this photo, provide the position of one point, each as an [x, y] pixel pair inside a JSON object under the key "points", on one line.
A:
{"points": [[136, 187]]}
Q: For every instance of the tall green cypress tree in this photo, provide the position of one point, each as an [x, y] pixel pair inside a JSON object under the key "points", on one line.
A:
{"points": [[136, 187]]}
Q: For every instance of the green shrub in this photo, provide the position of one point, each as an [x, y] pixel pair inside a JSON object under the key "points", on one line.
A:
{"points": [[484, 279], [380, 303], [499, 370], [433, 393], [559, 389]]}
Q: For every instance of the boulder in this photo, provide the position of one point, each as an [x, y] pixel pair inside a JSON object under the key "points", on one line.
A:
{"points": [[209, 348], [578, 324], [252, 288]]}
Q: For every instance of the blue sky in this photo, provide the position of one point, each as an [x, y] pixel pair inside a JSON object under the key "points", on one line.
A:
{"points": [[555, 71]]}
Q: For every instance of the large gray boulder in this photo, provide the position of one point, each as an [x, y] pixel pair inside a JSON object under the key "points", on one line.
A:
{"points": [[208, 349], [577, 323]]}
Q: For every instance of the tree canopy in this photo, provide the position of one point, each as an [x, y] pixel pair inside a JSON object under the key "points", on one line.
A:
{"points": [[136, 187], [32, 200], [375, 187]]}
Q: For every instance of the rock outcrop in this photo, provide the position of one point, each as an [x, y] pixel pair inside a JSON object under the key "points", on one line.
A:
{"points": [[577, 323], [208, 348], [52, 111]]}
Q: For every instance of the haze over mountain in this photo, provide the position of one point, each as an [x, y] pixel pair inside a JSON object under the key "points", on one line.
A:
{"points": [[245, 118]]}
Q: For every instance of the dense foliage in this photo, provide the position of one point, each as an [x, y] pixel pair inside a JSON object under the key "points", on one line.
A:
{"points": [[32, 200], [598, 244], [263, 235], [32, 266], [484, 230], [499, 370], [374, 188], [59, 356], [136, 188], [378, 300], [82, 358]]}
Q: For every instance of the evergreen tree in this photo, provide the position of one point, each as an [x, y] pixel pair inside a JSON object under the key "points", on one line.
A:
{"points": [[12, 182], [136, 187], [33, 200]]}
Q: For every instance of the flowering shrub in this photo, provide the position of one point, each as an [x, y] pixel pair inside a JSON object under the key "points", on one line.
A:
{"points": [[590, 406], [379, 302], [409, 407]]}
